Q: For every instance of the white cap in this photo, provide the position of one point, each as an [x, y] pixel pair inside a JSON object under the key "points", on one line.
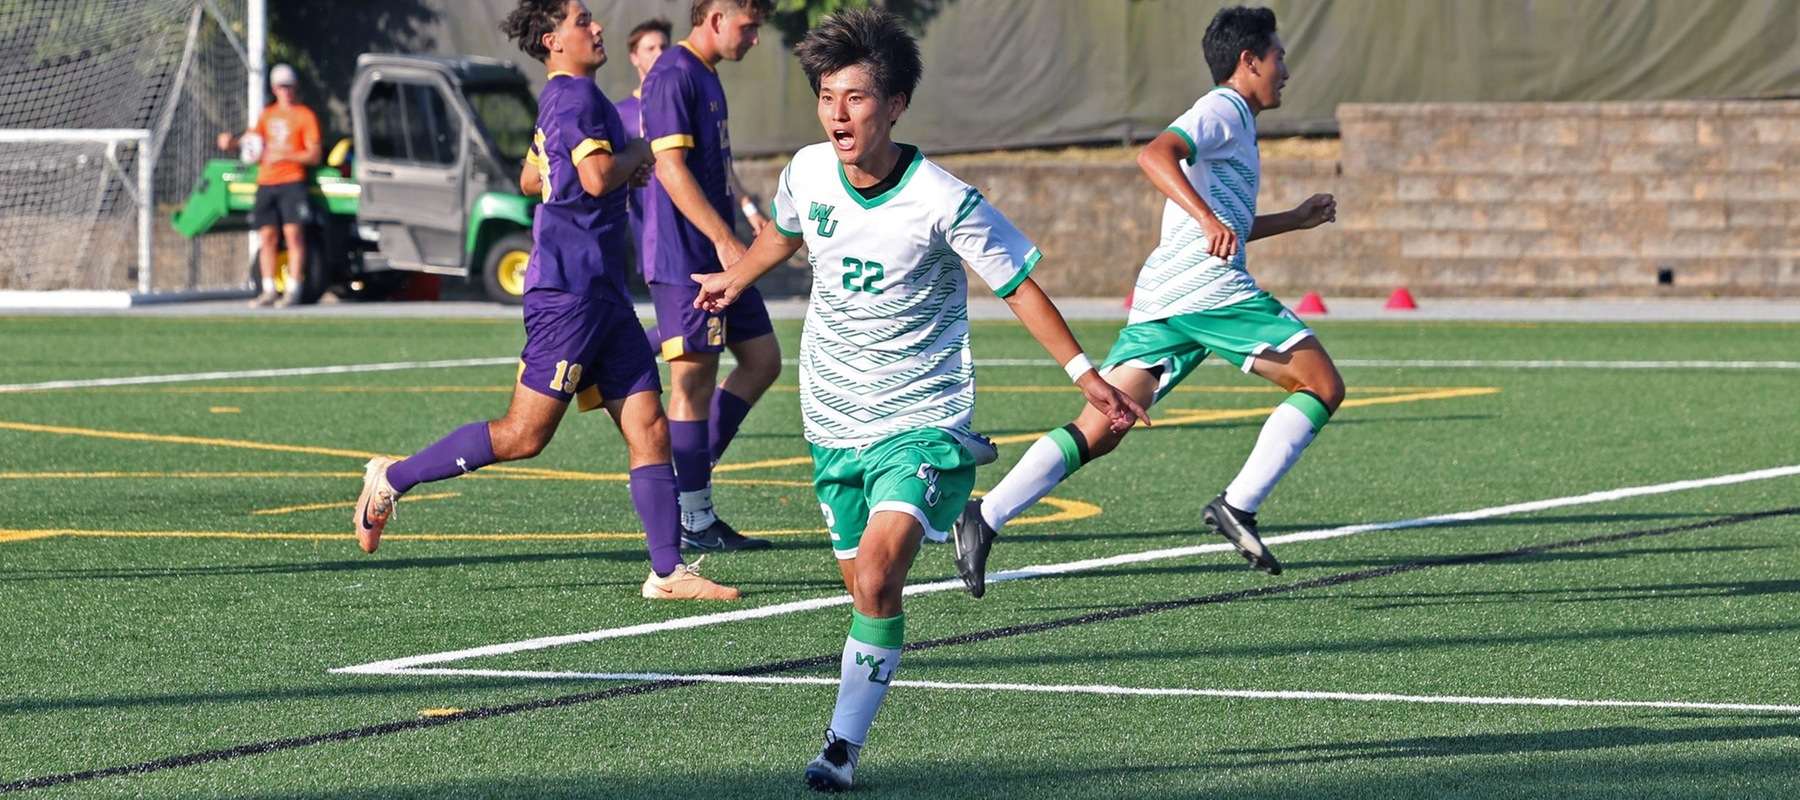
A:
{"points": [[283, 75]]}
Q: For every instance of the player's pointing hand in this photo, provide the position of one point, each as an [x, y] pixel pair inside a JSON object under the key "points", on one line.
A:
{"points": [[1121, 411], [717, 290]]}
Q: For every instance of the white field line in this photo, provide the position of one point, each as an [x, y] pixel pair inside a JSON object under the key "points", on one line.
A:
{"points": [[392, 666], [1126, 691], [191, 377]]}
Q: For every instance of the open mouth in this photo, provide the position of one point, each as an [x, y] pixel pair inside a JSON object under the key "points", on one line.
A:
{"points": [[843, 139]]}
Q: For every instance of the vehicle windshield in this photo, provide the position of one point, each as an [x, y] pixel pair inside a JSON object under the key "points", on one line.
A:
{"points": [[510, 116]]}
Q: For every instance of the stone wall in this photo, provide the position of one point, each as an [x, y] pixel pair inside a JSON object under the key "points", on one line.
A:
{"points": [[1538, 199]]}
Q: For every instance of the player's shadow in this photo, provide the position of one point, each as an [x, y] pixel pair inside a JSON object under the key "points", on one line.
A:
{"points": [[1663, 592], [1513, 744], [1097, 771], [351, 686], [1112, 651]]}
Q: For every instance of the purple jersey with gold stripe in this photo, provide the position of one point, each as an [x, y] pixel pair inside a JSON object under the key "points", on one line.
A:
{"points": [[580, 239], [631, 111], [684, 106]]}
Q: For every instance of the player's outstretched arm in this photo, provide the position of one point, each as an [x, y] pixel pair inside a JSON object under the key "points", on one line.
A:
{"points": [[1161, 162], [603, 172], [1311, 213], [1046, 324], [721, 289]]}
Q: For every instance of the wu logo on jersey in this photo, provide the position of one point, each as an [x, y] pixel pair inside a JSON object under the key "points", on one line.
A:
{"points": [[822, 213], [929, 475]]}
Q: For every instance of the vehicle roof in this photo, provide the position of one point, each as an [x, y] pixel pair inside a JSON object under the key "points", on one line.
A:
{"points": [[467, 69]]}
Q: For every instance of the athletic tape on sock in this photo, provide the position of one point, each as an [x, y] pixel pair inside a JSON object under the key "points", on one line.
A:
{"points": [[1074, 446], [1310, 405], [888, 632]]}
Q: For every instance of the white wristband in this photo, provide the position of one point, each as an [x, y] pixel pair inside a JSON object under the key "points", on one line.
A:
{"points": [[749, 208], [1078, 366]]}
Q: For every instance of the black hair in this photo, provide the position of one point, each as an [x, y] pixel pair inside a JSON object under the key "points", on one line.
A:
{"points": [[872, 38], [760, 8], [528, 23], [654, 25], [1232, 31]]}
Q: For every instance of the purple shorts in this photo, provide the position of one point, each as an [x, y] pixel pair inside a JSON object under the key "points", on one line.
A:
{"points": [[682, 329], [579, 346]]}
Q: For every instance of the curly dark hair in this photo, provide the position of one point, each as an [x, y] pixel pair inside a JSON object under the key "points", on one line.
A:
{"points": [[1232, 31], [528, 23], [872, 38]]}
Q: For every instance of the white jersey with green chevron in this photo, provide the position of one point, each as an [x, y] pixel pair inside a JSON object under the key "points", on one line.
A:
{"points": [[1180, 277], [886, 343]]}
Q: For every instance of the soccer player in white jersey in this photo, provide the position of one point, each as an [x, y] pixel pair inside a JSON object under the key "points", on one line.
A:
{"points": [[1193, 298], [887, 383]]}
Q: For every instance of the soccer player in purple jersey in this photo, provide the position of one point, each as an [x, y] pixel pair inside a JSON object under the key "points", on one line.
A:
{"points": [[645, 44], [686, 231], [582, 337]]}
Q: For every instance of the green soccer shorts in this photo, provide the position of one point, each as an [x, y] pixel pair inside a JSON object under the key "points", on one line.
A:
{"points": [[1176, 345], [925, 473]]}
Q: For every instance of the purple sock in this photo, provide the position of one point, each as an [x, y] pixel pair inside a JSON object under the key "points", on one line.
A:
{"points": [[466, 449], [728, 412], [653, 494], [693, 462]]}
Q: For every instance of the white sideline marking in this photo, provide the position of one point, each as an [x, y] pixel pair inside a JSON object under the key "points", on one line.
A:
{"points": [[141, 380], [257, 373], [1130, 691], [392, 666]]}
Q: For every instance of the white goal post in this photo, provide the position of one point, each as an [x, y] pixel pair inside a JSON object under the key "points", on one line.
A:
{"points": [[138, 184], [109, 113]]}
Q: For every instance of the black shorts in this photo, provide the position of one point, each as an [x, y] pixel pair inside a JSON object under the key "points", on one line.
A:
{"points": [[282, 204]]}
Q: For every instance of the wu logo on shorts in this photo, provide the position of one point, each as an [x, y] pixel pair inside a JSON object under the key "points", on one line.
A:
{"points": [[929, 475], [822, 213], [874, 665]]}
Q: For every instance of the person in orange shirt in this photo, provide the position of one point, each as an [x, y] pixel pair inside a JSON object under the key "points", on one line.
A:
{"points": [[287, 134]]}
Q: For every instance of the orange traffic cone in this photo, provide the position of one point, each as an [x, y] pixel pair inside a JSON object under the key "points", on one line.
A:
{"points": [[1310, 304], [1401, 300]]}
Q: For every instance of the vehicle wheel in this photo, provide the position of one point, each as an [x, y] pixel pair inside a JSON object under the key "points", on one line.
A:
{"points": [[503, 274]]}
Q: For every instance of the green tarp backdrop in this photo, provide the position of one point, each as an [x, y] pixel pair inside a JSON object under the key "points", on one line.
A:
{"points": [[1020, 73]]}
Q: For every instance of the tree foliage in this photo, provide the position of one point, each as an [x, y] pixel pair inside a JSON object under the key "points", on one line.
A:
{"points": [[795, 17]]}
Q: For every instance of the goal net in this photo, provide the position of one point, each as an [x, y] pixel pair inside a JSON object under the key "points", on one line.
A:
{"points": [[109, 111]]}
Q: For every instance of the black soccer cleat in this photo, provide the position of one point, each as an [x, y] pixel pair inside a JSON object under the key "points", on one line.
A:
{"points": [[721, 537], [974, 538], [831, 771], [1239, 528]]}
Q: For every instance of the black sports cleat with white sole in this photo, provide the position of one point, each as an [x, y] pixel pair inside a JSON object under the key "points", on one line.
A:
{"points": [[974, 539], [831, 771], [1239, 528], [720, 536]]}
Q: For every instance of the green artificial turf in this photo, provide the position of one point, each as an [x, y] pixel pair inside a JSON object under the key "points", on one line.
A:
{"points": [[178, 579]]}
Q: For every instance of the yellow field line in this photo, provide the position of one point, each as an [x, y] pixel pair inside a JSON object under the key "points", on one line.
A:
{"points": [[181, 475], [1179, 416], [340, 475], [1066, 511], [352, 504], [789, 389]]}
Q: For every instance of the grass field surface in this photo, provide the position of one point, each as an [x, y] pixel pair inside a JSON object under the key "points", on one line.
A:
{"points": [[1508, 575]]}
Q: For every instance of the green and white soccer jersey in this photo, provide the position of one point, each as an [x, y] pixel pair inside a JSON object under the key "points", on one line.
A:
{"points": [[885, 347], [1180, 277]]}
